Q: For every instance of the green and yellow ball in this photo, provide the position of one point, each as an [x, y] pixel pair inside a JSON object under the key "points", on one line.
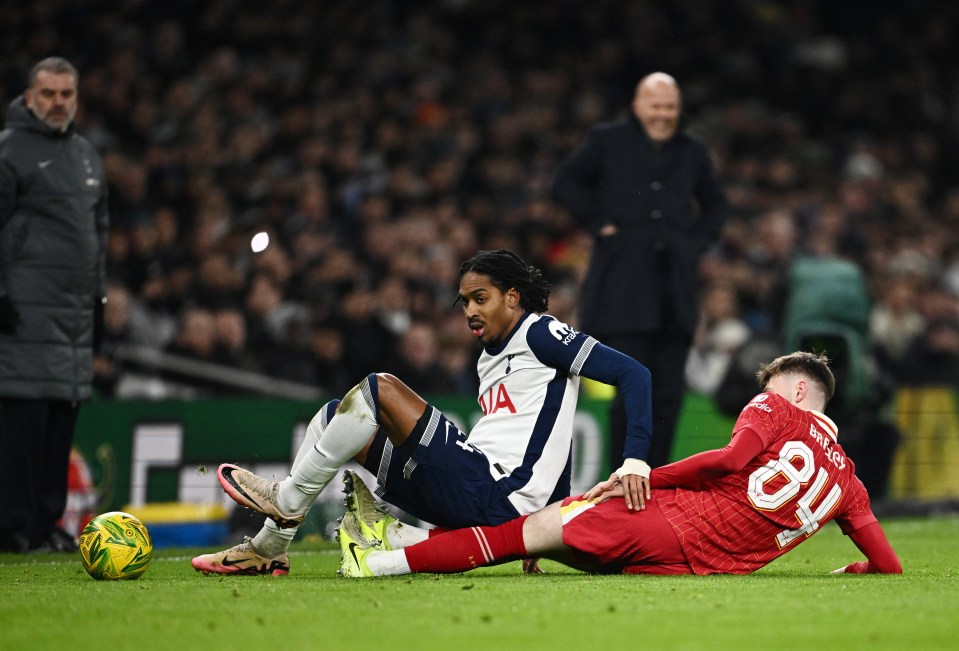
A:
{"points": [[115, 545]]}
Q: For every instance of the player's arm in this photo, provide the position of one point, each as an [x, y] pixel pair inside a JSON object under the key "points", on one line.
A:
{"points": [[711, 464], [633, 382], [872, 542], [745, 445]]}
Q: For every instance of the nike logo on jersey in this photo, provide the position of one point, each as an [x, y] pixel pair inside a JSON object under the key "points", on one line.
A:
{"points": [[44, 163]]}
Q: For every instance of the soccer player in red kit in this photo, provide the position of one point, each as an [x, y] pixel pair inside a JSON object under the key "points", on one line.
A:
{"points": [[731, 510]]}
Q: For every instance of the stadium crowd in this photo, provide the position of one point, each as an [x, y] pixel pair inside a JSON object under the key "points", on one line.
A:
{"points": [[379, 143]]}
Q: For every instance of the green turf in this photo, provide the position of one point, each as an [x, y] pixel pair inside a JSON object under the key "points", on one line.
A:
{"points": [[48, 602]]}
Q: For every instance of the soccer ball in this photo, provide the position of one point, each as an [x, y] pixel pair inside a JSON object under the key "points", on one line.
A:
{"points": [[115, 545]]}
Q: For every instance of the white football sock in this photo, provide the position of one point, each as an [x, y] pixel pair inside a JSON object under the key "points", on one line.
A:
{"points": [[345, 436], [271, 541], [400, 535], [388, 563]]}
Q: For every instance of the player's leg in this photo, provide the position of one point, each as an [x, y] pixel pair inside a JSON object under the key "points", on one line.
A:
{"points": [[375, 519], [603, 537], [265, 553], [271, 540], [438, 477], [607, 537], [378, 401], [540, 534]]}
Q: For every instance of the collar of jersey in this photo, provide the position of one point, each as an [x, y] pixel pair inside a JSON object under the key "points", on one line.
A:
{"points": [[496, 350], [826, 422]]}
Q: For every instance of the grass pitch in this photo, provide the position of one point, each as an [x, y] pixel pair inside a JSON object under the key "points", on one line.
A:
{"points": [[49, 602]]}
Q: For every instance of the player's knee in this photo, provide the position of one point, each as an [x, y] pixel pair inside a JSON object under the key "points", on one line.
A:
{"points": [[363, 397], [321, 419], [388, 388], [395, 398]]}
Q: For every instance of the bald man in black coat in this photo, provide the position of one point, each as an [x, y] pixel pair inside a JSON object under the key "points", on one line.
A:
{"points": [[651, 197]]}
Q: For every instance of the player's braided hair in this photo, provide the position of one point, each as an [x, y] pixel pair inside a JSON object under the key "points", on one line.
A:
{"points": [[507, 270], [813, 365]]}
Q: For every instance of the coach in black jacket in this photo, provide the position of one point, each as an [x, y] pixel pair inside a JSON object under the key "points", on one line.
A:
{"points": [[53, 228], [651, 197]]}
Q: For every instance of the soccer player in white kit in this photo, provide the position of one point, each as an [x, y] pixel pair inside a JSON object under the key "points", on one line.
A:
{"points": [[515, 460]]}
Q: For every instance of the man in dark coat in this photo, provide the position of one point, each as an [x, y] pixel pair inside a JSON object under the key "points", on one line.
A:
{"points": [[53, 227], [653, 201]]}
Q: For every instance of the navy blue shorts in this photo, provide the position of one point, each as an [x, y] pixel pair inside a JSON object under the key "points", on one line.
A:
{"points": [[437, 476]]}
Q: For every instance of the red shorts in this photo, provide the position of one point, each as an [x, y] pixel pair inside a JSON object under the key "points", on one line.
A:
{"points": [[609, 538]]}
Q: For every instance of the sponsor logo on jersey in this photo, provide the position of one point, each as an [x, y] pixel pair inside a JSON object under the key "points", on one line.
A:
{"points": [[490, 404], [563, 333], [759, 403]]}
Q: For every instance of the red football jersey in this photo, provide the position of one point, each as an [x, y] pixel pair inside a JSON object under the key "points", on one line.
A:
{"points": [[801, 480]]}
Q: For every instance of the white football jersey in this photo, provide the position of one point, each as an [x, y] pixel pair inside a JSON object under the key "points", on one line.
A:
{"points": [[529, 385]]}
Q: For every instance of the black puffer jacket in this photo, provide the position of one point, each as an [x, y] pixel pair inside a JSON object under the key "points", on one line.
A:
{"points": [[53, 228]]}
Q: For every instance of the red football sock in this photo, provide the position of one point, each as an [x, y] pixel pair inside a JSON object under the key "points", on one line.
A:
{"points": [[463, 549]]}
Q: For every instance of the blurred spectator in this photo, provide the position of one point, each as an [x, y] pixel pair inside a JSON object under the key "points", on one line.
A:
{"points": [[457, 368], [775, 244], [196, 337], [719, 334], [218, 283], [232, 348], [393, 305], [895, 321], [933, 359], [117, 330], [418, 361], [330, 369], [366, 343]]}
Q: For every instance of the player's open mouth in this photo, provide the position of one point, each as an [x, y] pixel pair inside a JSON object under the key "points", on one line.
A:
{"points": [[476, 328]]}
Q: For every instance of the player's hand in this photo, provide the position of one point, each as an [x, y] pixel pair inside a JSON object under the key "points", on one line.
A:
{"points": [[863, 567], [635, 491], [605, 490], [634, 477], [531, 566]]}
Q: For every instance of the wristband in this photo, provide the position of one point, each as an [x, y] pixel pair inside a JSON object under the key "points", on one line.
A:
{"points": [[633, 467]]}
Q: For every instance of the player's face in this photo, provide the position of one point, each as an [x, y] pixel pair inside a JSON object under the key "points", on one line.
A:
{"points": [[490, 312], [657, 106], [53, 99]]}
